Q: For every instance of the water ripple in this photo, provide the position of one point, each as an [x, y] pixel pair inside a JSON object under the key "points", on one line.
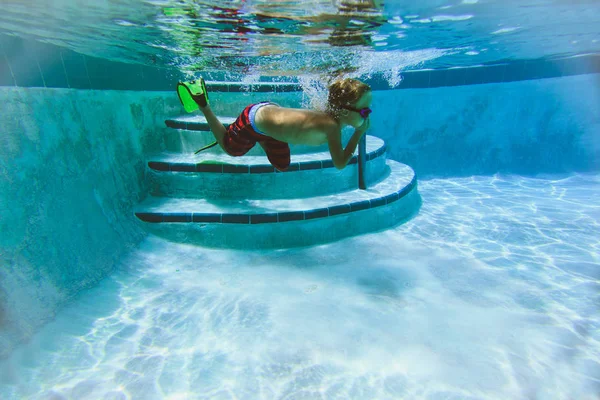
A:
{"points": [[491, 292]]}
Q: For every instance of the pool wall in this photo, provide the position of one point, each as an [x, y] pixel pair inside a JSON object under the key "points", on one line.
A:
{"points": [[72, 165], [542, 126]]}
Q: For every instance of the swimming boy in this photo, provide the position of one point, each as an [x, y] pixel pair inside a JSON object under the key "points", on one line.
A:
{"points": [[274, 127]]}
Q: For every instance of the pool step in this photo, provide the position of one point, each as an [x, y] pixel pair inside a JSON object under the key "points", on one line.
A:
{"points": [[218, 175], [276, 223], [215, 200]]}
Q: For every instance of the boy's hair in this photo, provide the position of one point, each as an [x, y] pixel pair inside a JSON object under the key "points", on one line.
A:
{"points": [[345, 92]]}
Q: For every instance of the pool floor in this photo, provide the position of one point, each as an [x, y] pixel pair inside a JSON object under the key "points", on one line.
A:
{"points": [[491, 292]]}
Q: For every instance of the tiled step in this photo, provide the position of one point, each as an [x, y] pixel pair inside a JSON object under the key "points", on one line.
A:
{"points": [[220, 176], [194, 122], [269, 223], [191, 132]]}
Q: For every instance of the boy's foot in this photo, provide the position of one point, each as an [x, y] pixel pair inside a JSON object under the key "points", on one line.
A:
{"points": [[201, 97], [192, 94]]}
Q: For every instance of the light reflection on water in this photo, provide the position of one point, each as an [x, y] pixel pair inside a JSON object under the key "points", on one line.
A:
{"points": [[491, 292], [315, 36]]}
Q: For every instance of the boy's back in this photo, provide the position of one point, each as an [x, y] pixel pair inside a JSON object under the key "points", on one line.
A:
{"points": [[295, 126]]}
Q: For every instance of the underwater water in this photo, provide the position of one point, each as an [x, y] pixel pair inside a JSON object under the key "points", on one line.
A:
{"points": [[491, 292]]}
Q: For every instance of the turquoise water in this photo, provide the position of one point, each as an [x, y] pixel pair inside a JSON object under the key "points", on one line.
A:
{"points": [[491, 292]]}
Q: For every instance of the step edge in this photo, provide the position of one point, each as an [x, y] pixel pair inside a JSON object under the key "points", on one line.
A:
{"points": [[202, 167], [275, 217]]}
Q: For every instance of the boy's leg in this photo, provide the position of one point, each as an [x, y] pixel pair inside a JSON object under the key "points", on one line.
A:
{"points": [[215, 125], [278, 153]]}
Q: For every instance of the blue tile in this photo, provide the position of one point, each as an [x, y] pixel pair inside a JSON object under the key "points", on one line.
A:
{"points": [[290, 216], [35, 64], [378, 202], [305, 166], [264, 88], [51, 64], [437, 78], [159, 79], [534, 69], [263, 218], [339, 209], [206, 217], [25, 67], [415, 79], [595, 63], [474, 75], [235, 169], [12, 46], [578, 65], [261, 169], [515, 71], [232, 87], [408, 188], [100, 72], [76, 70], [122, 76], [236, 218], [377, 153], [221, 87], [205, 167], [174, 124], [494, 73], [79, 82], [54, 74], [455, 77], [316, 213], [6, 78], [361, 205], [177, 217], [200, 126], [133, 77], [551, 69], [567, 66], [149, 217], [327, 164], [587, 64], [159, 165], [390, 198], [295, 166], [288, 88], [183, 167]]}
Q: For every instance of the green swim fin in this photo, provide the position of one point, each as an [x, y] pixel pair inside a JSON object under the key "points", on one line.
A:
{"points": [[191, 94]]}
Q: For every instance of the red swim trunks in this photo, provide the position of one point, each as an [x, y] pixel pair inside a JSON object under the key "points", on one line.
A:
{"points": [[241, 137]]}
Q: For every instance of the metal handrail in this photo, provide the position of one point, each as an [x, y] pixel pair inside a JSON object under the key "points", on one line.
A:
{"points": [[362, 162]]}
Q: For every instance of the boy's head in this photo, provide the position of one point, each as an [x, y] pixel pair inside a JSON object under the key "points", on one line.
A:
{"points": [[345, 92]]}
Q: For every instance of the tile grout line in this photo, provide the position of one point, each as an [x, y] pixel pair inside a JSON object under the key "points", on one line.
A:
{"points": [[10, 68], [64, 69]]}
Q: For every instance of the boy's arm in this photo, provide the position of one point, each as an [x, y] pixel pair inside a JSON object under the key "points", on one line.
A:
{"points": [[340, 156]]}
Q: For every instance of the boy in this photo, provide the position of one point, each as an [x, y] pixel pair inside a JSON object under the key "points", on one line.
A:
{"points": [[273, 127]]}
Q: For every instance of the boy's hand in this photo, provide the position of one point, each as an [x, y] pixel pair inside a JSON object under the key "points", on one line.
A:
{"points": [[364, 127], [200, 100]]}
